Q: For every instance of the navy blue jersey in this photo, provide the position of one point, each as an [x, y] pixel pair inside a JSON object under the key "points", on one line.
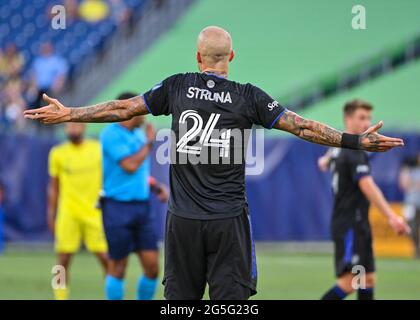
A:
{"points": [[210, 118], [350, 204]]}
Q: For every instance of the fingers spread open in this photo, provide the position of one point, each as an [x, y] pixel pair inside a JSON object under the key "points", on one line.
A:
{"points": [[389, 139], [36, 116], [47, 98], [376, 127], [30, 116], [34, 111], [391, 143]]}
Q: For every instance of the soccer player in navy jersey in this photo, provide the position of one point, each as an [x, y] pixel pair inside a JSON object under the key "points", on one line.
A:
{"points": [[208, 236], [354, 189]]}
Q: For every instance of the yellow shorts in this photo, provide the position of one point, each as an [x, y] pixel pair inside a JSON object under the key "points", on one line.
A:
{"points": [[71, 229]]}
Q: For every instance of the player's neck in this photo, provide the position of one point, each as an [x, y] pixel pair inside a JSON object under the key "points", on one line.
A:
{"points": [[77, 143], [222, 72]]}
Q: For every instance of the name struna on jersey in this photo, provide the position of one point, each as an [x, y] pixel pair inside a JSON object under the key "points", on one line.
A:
{"points": [[207, 146], [204, 94]]}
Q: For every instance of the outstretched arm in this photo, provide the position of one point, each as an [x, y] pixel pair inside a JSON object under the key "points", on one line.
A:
{"points": [[110, 111], [320, 133]]}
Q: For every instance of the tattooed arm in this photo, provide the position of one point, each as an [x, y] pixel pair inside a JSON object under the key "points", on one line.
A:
{"points": [[320, 133], [111, 111]]}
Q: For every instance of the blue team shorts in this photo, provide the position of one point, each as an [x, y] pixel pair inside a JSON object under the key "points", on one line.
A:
{"points": [[129, 227]]}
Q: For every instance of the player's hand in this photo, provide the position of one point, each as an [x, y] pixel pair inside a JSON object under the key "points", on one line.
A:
{"points": [[371, 140], [150, 132], [323, 163], [163, 194], [54, 112], [398, 224]]}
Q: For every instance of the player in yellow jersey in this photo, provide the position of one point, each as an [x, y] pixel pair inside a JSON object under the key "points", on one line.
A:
{"points": [[75, 171]]}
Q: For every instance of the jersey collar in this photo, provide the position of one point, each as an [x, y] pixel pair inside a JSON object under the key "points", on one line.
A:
{"points": [[214, 74]]}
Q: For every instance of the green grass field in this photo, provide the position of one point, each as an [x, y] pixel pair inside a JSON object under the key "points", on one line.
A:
{"points": [[27, 275]]}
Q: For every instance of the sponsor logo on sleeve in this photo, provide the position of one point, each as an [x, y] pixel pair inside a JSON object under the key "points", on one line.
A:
{"points": [[272, 105], [362, 168]]}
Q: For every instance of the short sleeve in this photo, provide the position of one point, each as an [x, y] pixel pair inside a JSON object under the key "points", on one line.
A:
{"points": [[263, 109], [114, 147], [53, 163], [157, 99], [359, 165]]}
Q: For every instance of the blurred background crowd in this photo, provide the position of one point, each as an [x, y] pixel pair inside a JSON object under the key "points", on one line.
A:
{"points": [[35, 59]]}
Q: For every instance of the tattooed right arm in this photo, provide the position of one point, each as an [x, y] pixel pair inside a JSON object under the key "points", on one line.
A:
{"points": [[111, 111]]}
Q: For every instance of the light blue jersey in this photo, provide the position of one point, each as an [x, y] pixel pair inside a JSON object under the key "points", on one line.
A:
{"points": [[118, 143]]}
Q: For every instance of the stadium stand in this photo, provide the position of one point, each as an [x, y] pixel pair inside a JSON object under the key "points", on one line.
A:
{"points": [[269, 54], [395, 96], [26, 27], [25, 23]]}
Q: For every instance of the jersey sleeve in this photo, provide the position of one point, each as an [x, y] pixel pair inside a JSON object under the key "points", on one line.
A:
{"points": [[263, 109], [114, 147], [157, 99], [53, 163], [359, 165]]}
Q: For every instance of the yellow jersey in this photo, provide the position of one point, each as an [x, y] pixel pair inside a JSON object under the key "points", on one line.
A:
{"points": [[79, 172]]}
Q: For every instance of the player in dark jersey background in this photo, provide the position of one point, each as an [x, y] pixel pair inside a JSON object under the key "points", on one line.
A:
{"points": [[208, 235], [354, 189]]}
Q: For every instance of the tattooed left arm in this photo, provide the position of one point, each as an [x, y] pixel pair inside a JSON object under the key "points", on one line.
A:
{"points": [[309, 130], [320, 133]]}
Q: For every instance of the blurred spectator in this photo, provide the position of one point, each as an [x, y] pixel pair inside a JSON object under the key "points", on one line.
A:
{"points": [[121, 14], [2, 197], [49, 72], [159, 3], [12, 105], [3, 119], [93, 10], [410, 184], [11, 62], [71, 9]]}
